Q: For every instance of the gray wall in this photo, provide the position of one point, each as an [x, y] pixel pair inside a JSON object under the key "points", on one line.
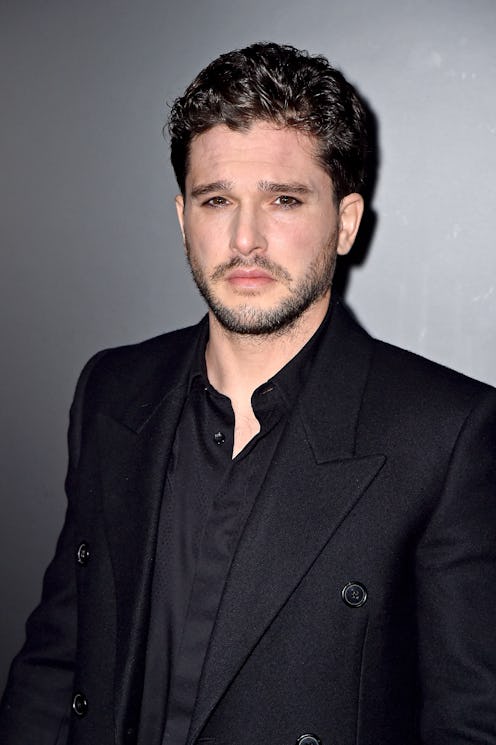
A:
{"points": [[91, 254]]}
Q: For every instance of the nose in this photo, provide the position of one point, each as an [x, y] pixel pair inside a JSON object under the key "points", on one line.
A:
{"points": [[247, 231]]}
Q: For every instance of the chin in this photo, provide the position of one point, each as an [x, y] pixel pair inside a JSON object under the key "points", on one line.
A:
{"points": [[256, 321]]}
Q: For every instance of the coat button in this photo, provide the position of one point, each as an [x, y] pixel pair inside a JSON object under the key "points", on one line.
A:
{"points": [[79, 704], [83, 554], [354, 594], [308, 740]]}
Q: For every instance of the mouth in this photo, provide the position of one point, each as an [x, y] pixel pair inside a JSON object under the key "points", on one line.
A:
{"points": [[252, 278]]}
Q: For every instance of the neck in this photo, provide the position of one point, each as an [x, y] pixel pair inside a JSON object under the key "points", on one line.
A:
{"points": [[238, 363]]}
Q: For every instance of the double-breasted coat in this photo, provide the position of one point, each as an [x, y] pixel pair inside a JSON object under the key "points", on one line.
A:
{"points": [[360, 606]]}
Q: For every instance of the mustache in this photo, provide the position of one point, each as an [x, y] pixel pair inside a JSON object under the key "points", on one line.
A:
{"points": [[261, 262]]}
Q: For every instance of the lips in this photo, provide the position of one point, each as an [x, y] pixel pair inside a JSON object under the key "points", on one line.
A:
{"points": [[254, 273], [249, 278]]}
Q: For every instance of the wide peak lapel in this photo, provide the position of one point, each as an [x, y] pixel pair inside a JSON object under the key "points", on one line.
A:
{"points": [[133, 480], [141, 392], [300, 507], [332, 398]]}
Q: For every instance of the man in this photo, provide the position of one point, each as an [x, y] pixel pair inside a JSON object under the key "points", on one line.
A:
{"points": [[279, 530]]}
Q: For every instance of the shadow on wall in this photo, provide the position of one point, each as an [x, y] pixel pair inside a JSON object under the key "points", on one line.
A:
{"points": [[363, 242]]}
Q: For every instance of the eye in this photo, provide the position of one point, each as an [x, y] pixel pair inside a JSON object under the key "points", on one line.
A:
{"points": [[216, 202], [286, 201]]}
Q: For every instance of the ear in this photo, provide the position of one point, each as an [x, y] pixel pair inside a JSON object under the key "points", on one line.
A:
{"points": [[180, 213], [350, 213]]}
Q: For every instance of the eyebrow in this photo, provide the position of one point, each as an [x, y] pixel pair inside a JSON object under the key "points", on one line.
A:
{"points": [[202, 189], [292, 187], [273, 187]]}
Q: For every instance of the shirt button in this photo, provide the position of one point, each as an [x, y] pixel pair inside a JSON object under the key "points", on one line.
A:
{"points": [[219, 438], [308, 740], [79, 704], [354, 594], [83, 554]]}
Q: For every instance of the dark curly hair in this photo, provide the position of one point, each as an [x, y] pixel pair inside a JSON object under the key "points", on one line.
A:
{"points": [[288, 87]]}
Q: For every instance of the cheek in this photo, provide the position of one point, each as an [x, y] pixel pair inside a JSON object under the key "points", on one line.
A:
{"points": [[206, 246], [207, 231], [301, 239]]}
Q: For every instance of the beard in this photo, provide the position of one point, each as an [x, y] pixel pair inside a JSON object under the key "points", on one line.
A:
{"points": [[250, 319]]}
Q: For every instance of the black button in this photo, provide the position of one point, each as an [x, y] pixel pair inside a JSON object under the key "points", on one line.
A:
{"points": [[219, 438], [79, 704], [308, 740], [83, 554], [354, 594]]}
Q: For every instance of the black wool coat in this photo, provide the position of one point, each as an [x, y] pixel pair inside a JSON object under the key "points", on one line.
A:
{"points": [[360, 607]]}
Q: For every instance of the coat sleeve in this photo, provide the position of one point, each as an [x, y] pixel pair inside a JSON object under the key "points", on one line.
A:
{"points": [[36, 705], [456, 585]]}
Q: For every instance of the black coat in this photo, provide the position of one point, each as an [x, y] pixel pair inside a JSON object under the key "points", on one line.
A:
{"points": [[361, 603]]}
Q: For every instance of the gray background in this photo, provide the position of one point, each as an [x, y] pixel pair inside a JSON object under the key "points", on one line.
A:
{"points": [[91, 255]]}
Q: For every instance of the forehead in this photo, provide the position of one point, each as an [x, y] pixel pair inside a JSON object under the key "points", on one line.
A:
{"points": [[260, 152]]}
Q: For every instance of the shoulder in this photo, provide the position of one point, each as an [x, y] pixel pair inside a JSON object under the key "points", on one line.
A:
{"points": [[411, 375], [399, 381], [123, 372], [125, 360], [422, 402]]}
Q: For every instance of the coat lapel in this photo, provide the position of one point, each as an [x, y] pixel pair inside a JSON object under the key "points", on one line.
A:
{"points": [[132, 500], [315, 479], [297, 513], [135, 436]]}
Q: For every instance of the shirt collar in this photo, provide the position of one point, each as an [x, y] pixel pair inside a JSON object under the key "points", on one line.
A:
{"points": [[288, 381], [291, 378]]}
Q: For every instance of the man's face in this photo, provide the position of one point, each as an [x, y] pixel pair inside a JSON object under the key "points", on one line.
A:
{"points": [[260, 226]]}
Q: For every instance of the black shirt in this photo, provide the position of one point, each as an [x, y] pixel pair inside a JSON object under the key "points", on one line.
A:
{"points": [[207, 501]]}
